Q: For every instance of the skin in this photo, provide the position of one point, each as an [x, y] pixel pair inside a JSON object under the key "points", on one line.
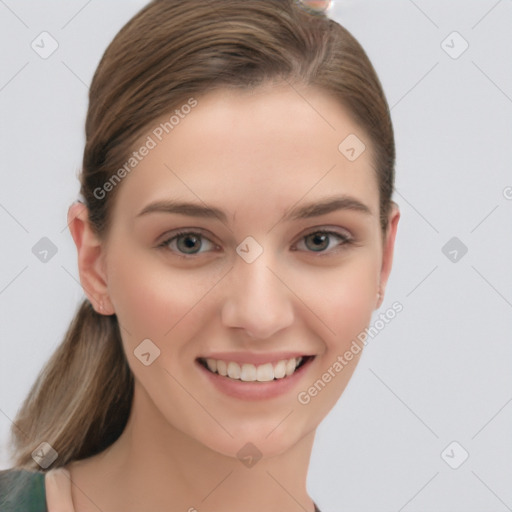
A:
{"points": [[255, 155]]}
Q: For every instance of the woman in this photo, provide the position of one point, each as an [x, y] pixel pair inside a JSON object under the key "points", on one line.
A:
{"points": [[235, 234]]}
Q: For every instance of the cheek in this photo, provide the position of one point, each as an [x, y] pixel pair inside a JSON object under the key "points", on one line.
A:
{"points": [[154, 300], [343, 298]]}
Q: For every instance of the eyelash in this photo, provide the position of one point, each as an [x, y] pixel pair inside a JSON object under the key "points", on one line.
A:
{"points": [[345, 240]]}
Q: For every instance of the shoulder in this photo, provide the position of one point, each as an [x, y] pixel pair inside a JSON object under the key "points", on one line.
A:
{"points": [[22, 491]]}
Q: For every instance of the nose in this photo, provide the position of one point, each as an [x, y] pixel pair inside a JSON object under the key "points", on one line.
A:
{"points": [[257, 299]]}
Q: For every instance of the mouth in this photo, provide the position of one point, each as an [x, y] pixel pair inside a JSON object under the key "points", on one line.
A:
{"points": [[247, 372]]}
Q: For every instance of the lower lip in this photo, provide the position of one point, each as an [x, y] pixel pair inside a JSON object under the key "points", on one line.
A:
{"points": [[255, 390]]}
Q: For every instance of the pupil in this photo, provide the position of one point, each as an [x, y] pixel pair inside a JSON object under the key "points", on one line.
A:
{"points": [[319, 238], [188, 242]]}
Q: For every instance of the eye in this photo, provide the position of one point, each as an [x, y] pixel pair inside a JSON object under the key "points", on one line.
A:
{"points": [[320, 240], [187, 243], [191, 243]]}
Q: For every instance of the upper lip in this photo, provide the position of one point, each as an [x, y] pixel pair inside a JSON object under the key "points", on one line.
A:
{"points": [[253, 358]]}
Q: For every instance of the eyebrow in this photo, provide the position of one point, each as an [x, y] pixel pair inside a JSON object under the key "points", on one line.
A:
{"points": [[313, 209], [317, 208]]}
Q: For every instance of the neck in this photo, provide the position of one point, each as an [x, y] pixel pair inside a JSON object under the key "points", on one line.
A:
{"points": [[159, 466]]}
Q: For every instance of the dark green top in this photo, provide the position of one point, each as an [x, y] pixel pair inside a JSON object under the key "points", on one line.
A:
{"points": [[22, 491]]}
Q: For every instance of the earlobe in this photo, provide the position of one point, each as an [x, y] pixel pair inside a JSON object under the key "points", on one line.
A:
{"points": [[91, 254], [388, 251]]}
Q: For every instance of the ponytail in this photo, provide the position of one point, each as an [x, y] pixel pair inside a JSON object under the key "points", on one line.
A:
{"points": [[81, 399]]}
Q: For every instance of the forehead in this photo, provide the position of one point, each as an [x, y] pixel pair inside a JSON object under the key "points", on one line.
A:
{"points": [[243, 150]]}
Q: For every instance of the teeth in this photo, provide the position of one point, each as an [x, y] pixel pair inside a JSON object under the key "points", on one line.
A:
{"points": [[280, 370], [250, 373], [233, 370], [212, 364], [222, 368], [291, 364], [264, 372]]}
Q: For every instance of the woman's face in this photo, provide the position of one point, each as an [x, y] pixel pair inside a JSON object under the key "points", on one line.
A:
{"points": [[280, 257]]}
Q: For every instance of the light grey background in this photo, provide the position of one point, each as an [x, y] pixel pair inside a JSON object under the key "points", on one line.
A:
{"points": [[441, 370]]}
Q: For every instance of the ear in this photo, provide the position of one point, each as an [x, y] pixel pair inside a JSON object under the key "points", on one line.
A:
{"points": [[91, 254], [387, 253]]}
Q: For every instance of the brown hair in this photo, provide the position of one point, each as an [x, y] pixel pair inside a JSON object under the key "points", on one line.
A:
{"points": [[170, 51]]}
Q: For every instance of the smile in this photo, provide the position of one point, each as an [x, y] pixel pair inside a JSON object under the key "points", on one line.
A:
{"points": [[248, 372]]}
